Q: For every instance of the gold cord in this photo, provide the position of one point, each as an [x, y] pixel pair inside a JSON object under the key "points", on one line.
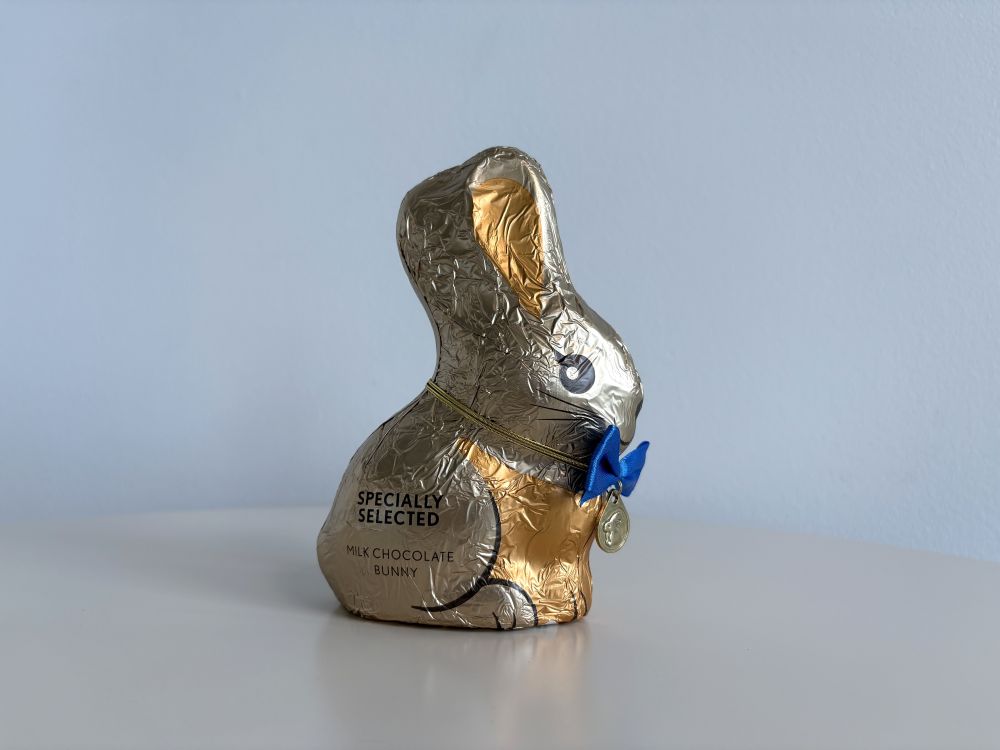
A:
{"points": [[455, 405]]}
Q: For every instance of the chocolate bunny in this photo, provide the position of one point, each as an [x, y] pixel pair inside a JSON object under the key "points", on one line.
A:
{"points": [[464, 509]]}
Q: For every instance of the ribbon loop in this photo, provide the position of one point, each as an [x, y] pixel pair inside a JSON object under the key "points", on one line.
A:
{"points": [[608, 468]]}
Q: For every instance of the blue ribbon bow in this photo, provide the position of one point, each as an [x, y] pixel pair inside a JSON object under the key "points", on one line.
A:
{"points": [[607, 470]]}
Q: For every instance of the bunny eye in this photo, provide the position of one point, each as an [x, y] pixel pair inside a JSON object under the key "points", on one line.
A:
{"points": [[576, 373]]}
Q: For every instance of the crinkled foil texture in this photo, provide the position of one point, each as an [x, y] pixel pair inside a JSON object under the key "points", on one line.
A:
{"points": [[438, 520]]}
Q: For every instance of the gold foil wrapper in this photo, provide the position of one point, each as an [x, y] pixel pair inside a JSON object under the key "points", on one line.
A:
{"points": [[439, 520]]}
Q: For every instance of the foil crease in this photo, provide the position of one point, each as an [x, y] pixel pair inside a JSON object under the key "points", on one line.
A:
{"points": [[438, 520]]}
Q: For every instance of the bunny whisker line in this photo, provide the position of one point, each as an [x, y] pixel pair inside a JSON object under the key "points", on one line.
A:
{"points": [[554, 396], [581, 415]]}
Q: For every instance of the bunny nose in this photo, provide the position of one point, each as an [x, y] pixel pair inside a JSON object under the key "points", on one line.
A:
{"points": [[627, 432]]}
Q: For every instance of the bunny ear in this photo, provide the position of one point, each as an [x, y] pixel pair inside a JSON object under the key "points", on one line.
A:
{"points": [[508, 228]]}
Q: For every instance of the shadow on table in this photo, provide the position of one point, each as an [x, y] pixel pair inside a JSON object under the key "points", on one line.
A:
{"points": [[375, 677], [384, 681]]}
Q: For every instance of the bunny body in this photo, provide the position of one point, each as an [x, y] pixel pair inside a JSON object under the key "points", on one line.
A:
{"points": [[439, 520]]}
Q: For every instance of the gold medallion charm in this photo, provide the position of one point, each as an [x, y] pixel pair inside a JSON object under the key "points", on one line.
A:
{"points": [[613, 525]]}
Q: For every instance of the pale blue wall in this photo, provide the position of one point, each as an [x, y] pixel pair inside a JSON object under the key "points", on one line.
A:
{"points": [[201, 302]]}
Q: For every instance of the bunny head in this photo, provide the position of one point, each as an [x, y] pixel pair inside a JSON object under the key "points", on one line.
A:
{"points": [[482, 249]]}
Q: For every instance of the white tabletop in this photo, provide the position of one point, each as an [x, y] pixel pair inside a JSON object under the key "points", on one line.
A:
{"points": [[216, 629]]}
